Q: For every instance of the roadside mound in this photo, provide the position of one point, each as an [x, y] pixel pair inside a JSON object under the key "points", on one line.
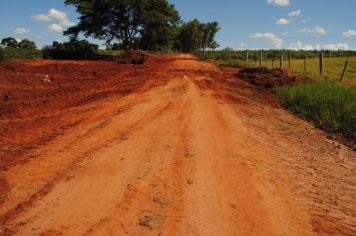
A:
{"points": [[271, 77], [38, 97]]}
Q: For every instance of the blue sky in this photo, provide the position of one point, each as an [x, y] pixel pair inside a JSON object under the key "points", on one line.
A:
{"points": [[295, 24]]}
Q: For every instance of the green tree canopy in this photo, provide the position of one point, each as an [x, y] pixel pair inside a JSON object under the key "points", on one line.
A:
{"points": [[161, 26], [9, 42], [190, 37], [209, 31], [27, 44], [195, 35], [125, 21]]}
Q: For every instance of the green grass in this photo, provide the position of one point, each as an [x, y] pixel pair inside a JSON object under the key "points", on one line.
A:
{"points": [[331, 106], [333, 66], [326, 102]]}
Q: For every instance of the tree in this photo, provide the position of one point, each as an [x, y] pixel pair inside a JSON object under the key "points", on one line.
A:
{"points": [[195, 35], [190, 37], [209, 32], [27, 44], [122, 20], [9, 42], [161, 27]]}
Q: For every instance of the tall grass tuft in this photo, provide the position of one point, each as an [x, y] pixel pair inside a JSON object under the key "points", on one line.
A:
{"points": [[331, 106]]}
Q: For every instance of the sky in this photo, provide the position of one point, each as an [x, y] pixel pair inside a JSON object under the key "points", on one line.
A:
{"points": [[252, 24]]}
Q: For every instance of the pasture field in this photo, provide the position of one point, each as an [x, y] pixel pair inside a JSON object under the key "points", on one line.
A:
{"points": [[333, 66]]}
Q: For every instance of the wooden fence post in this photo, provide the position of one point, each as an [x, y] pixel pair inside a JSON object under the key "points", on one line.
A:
{"points": [[246, 55], [261, 59], [289, 59], [305, 63], [272, 62], [343, 72], [321, 62], [281, 61]]}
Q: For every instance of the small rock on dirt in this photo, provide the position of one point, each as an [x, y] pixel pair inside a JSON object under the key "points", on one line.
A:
{"points": [[151, 221], [190, 182], [163, 201]]}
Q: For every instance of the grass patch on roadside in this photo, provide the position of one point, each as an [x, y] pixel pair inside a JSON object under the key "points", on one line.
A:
{"points": [[326, 102], [331, 106]]}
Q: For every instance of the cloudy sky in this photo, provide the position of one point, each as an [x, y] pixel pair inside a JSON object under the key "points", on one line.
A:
{"points": [[295, 24]]}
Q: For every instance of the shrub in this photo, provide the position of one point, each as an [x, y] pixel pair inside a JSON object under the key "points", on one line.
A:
{"points": [[10, 53], [74, 49], [331, 106]]}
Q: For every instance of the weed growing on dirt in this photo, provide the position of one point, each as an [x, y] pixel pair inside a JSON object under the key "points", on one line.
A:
{"points": [[331, 106]]}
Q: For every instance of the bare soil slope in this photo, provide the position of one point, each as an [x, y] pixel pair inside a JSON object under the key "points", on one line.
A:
{"points": [[173, 147]]}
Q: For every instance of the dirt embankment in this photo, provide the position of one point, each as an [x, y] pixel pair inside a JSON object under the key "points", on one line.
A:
{"points": [[34, 93], [271, 77], [173, 147]]}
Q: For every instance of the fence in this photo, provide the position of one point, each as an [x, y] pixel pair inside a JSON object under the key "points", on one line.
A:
{"points": [[319, 65]]}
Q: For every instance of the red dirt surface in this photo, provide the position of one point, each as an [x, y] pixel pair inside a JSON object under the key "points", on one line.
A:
{"points": [[172, 147], [34, 93], [271, 77]]}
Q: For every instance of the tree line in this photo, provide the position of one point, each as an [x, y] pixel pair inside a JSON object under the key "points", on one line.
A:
{"points": [[150, 25], [153, 25], [228, 54], [11, 49], [13, 43]]}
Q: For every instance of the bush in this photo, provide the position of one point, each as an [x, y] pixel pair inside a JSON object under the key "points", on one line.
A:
{"points": [[10, 53], [330, 106], [72, 50]]}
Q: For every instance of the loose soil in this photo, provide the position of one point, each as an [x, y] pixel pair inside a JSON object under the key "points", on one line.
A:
{"points": [[265, 77], [176, 146]]}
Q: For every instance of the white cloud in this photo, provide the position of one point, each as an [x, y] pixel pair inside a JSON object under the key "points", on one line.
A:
{"points": [[334, 47], [54, 28], [300, 46], [270, 37], [283, 21], [318, 30], [41, 17], [295, 13], [21, 31], [281, 3], [56, 15], [285, 33], [350, 33], [60, 16], [238, 46], [242, 46]]}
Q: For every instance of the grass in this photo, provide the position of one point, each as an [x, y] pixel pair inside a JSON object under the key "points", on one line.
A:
{"points": [[331, 106], [333, 66]]}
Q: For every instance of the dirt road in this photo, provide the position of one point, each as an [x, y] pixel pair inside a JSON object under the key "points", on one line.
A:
{"points": [[192, 150]]}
